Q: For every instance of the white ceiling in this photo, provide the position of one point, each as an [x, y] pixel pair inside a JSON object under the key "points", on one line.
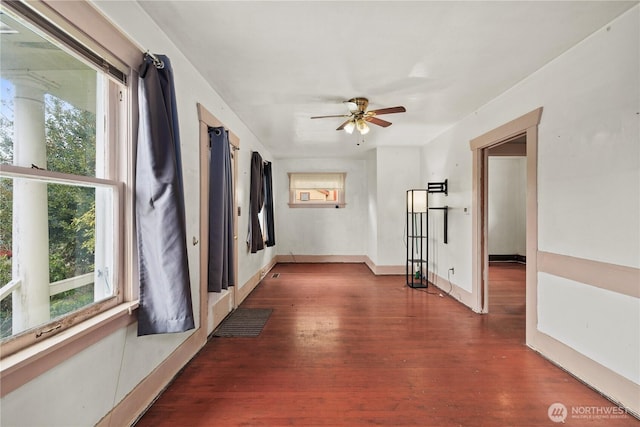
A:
{"points": [[277, 63]]}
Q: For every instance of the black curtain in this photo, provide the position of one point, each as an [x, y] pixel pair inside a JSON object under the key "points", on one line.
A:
{"points": [[165, 291], [221, 253], [268, 206], [256, 200]]}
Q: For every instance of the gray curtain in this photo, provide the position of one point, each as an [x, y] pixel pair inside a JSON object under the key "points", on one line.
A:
{"points": [[221, 253], [270, 238], [165, 293], [256, 200]]}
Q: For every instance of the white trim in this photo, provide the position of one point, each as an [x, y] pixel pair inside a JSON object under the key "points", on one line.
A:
{"points": [[9, 287], [295, 259], [378, 270], [243, 291], [55, 177], [64, 285], [134, 404], [454, 291], [612, 277], [330, 205], [385, 270], [610, 384]]}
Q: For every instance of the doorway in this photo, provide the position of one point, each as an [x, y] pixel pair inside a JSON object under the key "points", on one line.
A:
{"points": [[505, 295], [525, 128]]}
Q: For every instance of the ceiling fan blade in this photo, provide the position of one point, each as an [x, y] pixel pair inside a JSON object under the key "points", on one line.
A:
{"points": [[389, 110], [324, 117], [344, 124], [377, 121]]}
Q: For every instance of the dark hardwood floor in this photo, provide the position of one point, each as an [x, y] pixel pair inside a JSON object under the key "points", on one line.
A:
{"points": [[346, 348]]}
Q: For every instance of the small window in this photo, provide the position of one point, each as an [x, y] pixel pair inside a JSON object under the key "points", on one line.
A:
{"points": [[317, 190]]}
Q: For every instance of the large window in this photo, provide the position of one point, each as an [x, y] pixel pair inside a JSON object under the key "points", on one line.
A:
{"points": [[61, 198], [318, 189]]}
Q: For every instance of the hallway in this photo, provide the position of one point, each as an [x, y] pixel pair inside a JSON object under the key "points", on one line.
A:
{"points": [[346, 348]]}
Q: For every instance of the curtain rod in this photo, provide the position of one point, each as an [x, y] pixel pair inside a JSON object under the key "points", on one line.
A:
{"points": [[157, 62], [233, 147], [264, 162]]}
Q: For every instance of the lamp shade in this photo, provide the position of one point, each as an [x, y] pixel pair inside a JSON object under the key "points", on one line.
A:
{"points": [[417, 201], [362, 126], [348, 128]]}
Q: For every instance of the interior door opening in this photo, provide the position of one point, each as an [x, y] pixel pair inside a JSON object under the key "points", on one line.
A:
{"points": [[505, 223], [524, 126]]}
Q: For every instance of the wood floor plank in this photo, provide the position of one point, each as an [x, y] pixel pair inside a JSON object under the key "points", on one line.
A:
{"points": [[346, 348]]}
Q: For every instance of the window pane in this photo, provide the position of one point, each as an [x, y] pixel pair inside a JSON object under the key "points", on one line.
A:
{"points": [[316, 180], [316, 188], [49, 103], [57, 242], [6, 219], [312, 195]]}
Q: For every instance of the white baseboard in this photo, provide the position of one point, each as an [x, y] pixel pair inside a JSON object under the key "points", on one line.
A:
{"points": [[320, 258], [243, 292], [378, 270], [454, 291], [134, 404], [620, 390]]}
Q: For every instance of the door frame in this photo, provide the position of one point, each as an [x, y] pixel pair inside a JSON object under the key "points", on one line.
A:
{"points": [[527, 125], [227, 302]]}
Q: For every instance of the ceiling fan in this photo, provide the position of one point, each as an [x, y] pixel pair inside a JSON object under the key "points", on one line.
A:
{"points": [[358, 116]]}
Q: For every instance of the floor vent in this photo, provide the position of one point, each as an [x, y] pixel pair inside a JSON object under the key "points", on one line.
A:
{"points": [[275, 275]]}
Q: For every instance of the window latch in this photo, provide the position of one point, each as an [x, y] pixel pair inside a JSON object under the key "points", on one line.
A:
{"points": [[48, 331]]}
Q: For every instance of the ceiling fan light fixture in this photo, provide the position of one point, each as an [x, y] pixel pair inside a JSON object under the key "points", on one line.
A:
{"points": [[349, 127], [359, 118], [362, 126]]}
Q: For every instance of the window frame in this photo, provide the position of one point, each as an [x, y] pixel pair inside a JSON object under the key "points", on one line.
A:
{"points": [[32, 354], [341, 196], [31, 336]]}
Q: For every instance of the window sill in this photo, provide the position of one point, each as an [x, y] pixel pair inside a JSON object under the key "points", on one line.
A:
{"points": [[25, 365], [317, 205]]}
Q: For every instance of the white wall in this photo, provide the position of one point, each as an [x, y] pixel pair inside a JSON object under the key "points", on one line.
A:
{"points": [[588, 185], [86, 387], [322, 231], [372, 206], [507, 205], [373, 221], [449, 157], [398, 170], [598, 323]]}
